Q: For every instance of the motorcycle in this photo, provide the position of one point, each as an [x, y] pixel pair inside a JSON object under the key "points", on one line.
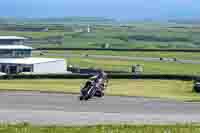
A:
{"points": [[90, 90], [94, 87]]}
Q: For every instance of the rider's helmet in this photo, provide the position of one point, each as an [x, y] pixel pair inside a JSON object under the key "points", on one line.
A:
{"points": [[100, 74]]}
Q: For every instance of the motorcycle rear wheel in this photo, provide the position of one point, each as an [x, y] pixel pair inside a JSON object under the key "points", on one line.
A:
{"points": [[81, 98]]}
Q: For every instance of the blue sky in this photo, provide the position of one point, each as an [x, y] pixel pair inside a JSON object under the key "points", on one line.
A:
{"points": [[119, 9]]}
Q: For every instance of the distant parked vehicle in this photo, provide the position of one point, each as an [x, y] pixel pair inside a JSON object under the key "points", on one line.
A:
{"points": [[196, 87]]}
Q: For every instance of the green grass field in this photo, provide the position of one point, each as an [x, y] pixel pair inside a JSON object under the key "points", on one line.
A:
{"points": [[173, 89], [26, 128], [145, 35], [150, 67]]}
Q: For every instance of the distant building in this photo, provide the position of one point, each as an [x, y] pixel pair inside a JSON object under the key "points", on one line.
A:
{"points": [[106, 45], [11, 40], [35, 29], [88, 29], [15, 51], [32, 65], [78, 30], [17, 59]]}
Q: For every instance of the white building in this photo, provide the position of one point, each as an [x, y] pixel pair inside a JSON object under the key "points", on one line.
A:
{"points": [[17, 59], [33, 65], [11, 40]]}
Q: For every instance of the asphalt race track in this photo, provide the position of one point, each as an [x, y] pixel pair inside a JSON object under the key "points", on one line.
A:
{"points": [[150, 59], [66, 109]]}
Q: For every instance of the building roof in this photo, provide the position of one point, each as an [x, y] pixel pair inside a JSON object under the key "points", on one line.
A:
{"points": [[12, 47], [12, 38], [28, 61]]}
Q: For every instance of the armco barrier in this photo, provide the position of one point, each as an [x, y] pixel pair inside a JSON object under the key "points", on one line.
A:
{"points": [[110, 76], [115, 49]]}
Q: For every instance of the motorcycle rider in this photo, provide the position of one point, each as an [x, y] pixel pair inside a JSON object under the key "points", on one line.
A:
{"points": [[99, 81]]}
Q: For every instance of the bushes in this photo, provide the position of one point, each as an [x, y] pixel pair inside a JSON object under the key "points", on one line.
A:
{"points": [[45, 76], [153, 76], [125, 49]]}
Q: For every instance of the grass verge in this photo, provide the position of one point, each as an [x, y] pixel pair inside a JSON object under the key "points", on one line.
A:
{"points": [[26, 128], [172, 89]]}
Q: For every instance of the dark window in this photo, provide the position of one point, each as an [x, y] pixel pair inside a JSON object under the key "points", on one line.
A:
{"points": [[26, 69], [15, 53], [13, 69], [5, 53]]}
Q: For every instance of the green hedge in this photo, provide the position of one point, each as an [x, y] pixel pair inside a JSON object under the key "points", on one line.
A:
{"points": [[124, 49], [45, 76], [153, 76], [110, 76]]}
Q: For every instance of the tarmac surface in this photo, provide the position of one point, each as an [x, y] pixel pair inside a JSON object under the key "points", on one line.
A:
{"points": [[150, 59], [66, 109]]}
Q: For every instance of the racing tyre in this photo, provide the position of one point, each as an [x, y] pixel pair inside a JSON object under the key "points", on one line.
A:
{"points": [[87, 98], [81, 98]]}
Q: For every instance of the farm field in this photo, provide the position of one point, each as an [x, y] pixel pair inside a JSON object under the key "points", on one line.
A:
{"points": [[136, 36], [132, 35], [127, 39], [101, 129], [172, 89]]}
